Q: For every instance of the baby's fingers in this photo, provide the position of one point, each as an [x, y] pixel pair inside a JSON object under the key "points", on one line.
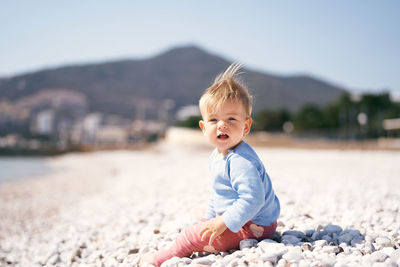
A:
{"points": [[202, 231], [205, 234], [212, 238]]}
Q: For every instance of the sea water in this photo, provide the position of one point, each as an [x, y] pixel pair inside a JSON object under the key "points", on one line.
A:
{"points": [[15, 168]]}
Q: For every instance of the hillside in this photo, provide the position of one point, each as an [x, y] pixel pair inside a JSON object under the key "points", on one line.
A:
{"points": [[180, 74]]}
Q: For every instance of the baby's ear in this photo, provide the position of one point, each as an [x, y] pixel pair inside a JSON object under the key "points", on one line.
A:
{"points": [[201, 125], [247, 125]]}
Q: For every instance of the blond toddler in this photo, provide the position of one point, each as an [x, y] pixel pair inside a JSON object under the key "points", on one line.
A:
{"points": [[243, 204]]}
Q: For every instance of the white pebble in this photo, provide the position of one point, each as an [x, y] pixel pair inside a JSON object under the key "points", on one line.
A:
{"points": [[293, 254], [328, 261], [306, 246], [378, 256], [331, 249], [232, 263], [395, 256], [281, 263], [387, 250], [383, 241], [203, 260], [273, 258], [238, 253], [390, 262], [320, 243]]}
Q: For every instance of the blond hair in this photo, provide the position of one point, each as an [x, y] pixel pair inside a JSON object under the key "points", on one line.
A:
{"points": [[225, 88]]}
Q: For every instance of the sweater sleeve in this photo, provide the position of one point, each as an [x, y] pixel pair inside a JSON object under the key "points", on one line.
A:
{"points": [[246, 181], [210, 212]]}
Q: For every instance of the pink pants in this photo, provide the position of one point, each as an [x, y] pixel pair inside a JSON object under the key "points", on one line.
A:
{"points": [[189, 241]]}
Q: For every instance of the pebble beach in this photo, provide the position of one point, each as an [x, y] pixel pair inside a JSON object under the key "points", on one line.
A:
{"points": [[338, 208]]}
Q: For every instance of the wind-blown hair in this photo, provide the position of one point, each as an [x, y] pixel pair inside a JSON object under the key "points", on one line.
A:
{"points": [[225, 88]]}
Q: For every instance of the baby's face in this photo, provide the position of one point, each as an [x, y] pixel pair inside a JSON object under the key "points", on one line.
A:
{"points": [[226, 126]]}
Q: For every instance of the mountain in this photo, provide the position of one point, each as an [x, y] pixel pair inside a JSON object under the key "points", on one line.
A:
{"points": [[181, 74]]}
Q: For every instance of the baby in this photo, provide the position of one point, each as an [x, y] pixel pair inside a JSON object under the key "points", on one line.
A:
{"points": [[243, 203]]}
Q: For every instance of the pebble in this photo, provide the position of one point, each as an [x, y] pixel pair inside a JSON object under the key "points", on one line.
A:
{"points": [[318, 235], [340, 263], [345, 238], [281, 263], [327, 260], [290, 239], [331, 249], [174, 261], [331, 228], [395, 256], [306, 246], [277, 249], [383, 241], [247, 243], [320, 243], [390, 262], [303, 263], [378, 256], [309, 233], [356, 243], [272, 258], [268, 241], [238, 253], [293, 254], [327, 238], [297, 234], [232, 263], [227, 259], [203, 260]]}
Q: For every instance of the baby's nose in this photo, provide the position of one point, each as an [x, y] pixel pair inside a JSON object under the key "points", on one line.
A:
{"points": [[221, 125]]}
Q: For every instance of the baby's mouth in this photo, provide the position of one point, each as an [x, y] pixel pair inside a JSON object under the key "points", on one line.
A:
{"points": [[222, 136]]}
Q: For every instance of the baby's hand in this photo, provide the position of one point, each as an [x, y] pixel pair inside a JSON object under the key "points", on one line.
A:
{"points": [[213, 228]]}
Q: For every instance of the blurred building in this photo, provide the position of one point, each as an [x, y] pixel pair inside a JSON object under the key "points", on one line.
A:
{"points": [[85, 130], [43, 122], [112, 135], [60, 117], [392, 126], [187, 111]]}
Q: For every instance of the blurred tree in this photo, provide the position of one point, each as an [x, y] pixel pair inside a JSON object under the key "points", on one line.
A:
{"points": [[377, 107], [331, 116], [191, 122], [344, 115], [309, 117], [270, 120]]}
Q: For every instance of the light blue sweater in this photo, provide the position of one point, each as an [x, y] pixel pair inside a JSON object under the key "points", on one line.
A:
{"points": [[242, 190]]}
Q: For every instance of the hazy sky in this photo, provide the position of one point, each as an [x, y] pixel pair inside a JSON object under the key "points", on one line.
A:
{"points": [[355, 43]]}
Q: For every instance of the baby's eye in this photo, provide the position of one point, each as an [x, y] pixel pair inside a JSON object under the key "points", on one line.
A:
{"points": [[232, 119], [212, 120]]}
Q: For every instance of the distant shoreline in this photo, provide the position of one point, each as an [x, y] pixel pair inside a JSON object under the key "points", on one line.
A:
{"points": [[194, 137], [27, 152], [187, 136], [286, 141]]}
